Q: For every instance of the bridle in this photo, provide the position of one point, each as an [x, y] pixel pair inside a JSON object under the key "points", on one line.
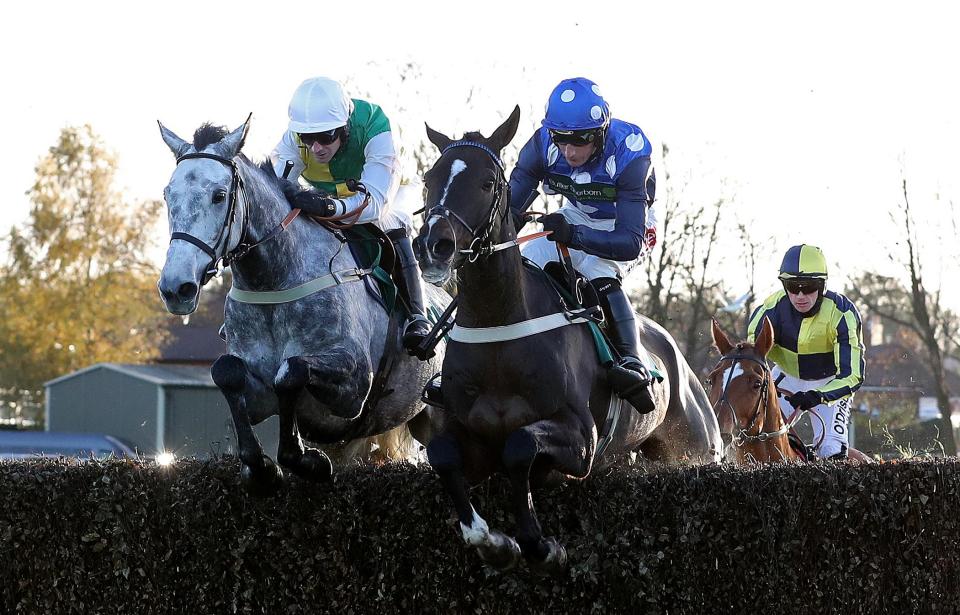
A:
{"points": [[742, 435], [220, 254], [480, 242]]}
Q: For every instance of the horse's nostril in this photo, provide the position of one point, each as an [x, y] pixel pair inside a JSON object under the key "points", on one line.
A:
{"points": [[443, 249], [187, 291]]}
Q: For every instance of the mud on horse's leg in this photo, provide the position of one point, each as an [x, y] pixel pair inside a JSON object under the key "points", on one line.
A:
{"points": [[259, 474], [496, 549], [551, 446], [290, 384]]}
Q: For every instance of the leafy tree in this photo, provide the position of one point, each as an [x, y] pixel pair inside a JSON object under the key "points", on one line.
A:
{"points": [[77, 287]]}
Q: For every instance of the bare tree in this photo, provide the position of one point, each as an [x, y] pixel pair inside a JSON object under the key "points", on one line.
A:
{"points": [[918, 310]]}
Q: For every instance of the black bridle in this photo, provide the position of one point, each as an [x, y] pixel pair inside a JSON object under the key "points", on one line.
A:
{"points": [[220, 254], [480, 242], [742, 435]]}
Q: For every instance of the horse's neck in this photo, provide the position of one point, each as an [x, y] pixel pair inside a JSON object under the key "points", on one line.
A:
{"points": [[491, 291], [290, 258]]}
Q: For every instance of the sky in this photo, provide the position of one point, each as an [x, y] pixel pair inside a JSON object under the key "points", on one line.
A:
{"points": [[806, 116]]}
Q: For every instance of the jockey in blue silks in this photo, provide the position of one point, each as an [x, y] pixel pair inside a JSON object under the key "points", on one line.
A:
{"points": [[602, 168]]}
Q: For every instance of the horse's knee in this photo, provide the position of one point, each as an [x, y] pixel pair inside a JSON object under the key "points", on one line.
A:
{"points": [[444, 454], [519, 450], [294, 374], [229, 372]]}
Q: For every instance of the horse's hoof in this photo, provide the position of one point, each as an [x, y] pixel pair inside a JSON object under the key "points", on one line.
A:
{"points": [[262, 482], [500, 551], [315, 466], [555, 562]]}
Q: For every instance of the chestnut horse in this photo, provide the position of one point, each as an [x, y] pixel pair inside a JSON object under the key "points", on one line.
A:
{"points": [[744, 398]]}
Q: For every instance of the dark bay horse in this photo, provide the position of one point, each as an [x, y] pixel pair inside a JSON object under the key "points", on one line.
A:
{"points": [[525, 394], [305, 338], [744, 398]]}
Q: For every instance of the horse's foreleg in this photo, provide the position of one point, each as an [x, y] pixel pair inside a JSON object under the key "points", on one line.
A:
{"points": [[291, 382], [541, 447], [496, 549], [259, 474]]}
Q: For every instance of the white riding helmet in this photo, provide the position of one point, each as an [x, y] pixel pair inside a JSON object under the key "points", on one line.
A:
{"points": [[319, 105]]}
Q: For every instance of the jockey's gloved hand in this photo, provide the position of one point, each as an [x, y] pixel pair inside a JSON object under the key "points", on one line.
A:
{"points": [[805, 400], [519, 220], [310, 201], [561, 230], [315, 203]]}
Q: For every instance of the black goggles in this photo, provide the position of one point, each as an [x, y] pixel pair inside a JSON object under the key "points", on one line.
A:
{"points": [[323, 138], [574, 137], [802, 287]]}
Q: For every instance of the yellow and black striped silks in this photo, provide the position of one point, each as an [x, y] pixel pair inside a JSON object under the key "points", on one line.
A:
{"points": [[815, 347]]}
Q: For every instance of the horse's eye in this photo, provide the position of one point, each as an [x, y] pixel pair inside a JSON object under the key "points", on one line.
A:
{"points": [[757, 384], [709, 382], [219, 196], [488, 185]]}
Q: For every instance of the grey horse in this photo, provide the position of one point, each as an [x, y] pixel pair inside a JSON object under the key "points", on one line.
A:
{"points": [[308, 357]]}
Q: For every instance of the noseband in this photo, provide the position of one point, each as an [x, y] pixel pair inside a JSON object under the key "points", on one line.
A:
{"points": [[480, 242]]}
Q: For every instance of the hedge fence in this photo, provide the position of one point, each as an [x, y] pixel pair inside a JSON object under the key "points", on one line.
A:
{"points": [[128, 537]]}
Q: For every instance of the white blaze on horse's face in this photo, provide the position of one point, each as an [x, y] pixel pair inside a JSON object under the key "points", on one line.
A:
{"points": [[433, 272], [198, 203]]}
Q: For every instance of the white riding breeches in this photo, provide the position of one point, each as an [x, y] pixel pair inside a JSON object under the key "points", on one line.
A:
{"points": [[831, 429], [542, 251]]}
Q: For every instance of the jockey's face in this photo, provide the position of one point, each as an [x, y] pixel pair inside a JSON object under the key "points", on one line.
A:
{"points": [[323, 153], [576, 155], [323, 145], [803, 296]]}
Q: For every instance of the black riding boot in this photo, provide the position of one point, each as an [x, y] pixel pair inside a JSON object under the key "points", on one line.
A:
{"points": [[418, 327], [629, 378]]}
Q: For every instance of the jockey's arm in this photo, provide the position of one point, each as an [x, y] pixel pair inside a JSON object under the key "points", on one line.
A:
{"points": [[380, 176], [526, 176], [848, 356], [624, 242]]}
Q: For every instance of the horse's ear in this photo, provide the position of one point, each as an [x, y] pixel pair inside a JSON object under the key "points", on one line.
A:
{"points": [[178, 146], [720, 338], [231, 144], [765, 340], [505, 133], [439, 139]]}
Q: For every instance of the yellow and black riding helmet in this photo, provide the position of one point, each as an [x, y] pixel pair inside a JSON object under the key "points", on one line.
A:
{"points": [[804, 266]]}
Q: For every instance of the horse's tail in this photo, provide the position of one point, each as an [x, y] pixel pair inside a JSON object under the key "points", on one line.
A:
{"points": [[394, 445]]}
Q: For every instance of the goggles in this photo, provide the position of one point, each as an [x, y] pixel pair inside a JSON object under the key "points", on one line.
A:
{"points": [[802, 287], [323, 138], [575, 137]]}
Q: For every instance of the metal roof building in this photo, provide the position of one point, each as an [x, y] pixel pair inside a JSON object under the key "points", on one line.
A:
{"points": [[158, 408]]}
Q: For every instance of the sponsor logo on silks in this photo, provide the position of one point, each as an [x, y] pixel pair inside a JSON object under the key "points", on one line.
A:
{"points": [[581, 192]]}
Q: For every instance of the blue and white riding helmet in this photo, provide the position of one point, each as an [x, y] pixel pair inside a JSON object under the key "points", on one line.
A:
{"points": [[576, 104]]}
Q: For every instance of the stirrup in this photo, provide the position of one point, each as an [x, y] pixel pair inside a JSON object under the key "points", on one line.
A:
{"points": [[432, 395]]}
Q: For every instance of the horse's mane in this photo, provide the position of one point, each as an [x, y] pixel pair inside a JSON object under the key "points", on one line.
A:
{"points": [[208, 134], [472, 136]]}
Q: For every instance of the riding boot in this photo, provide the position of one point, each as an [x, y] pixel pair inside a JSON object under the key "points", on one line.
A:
{"points": [[417, 327], [629, 377]]}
